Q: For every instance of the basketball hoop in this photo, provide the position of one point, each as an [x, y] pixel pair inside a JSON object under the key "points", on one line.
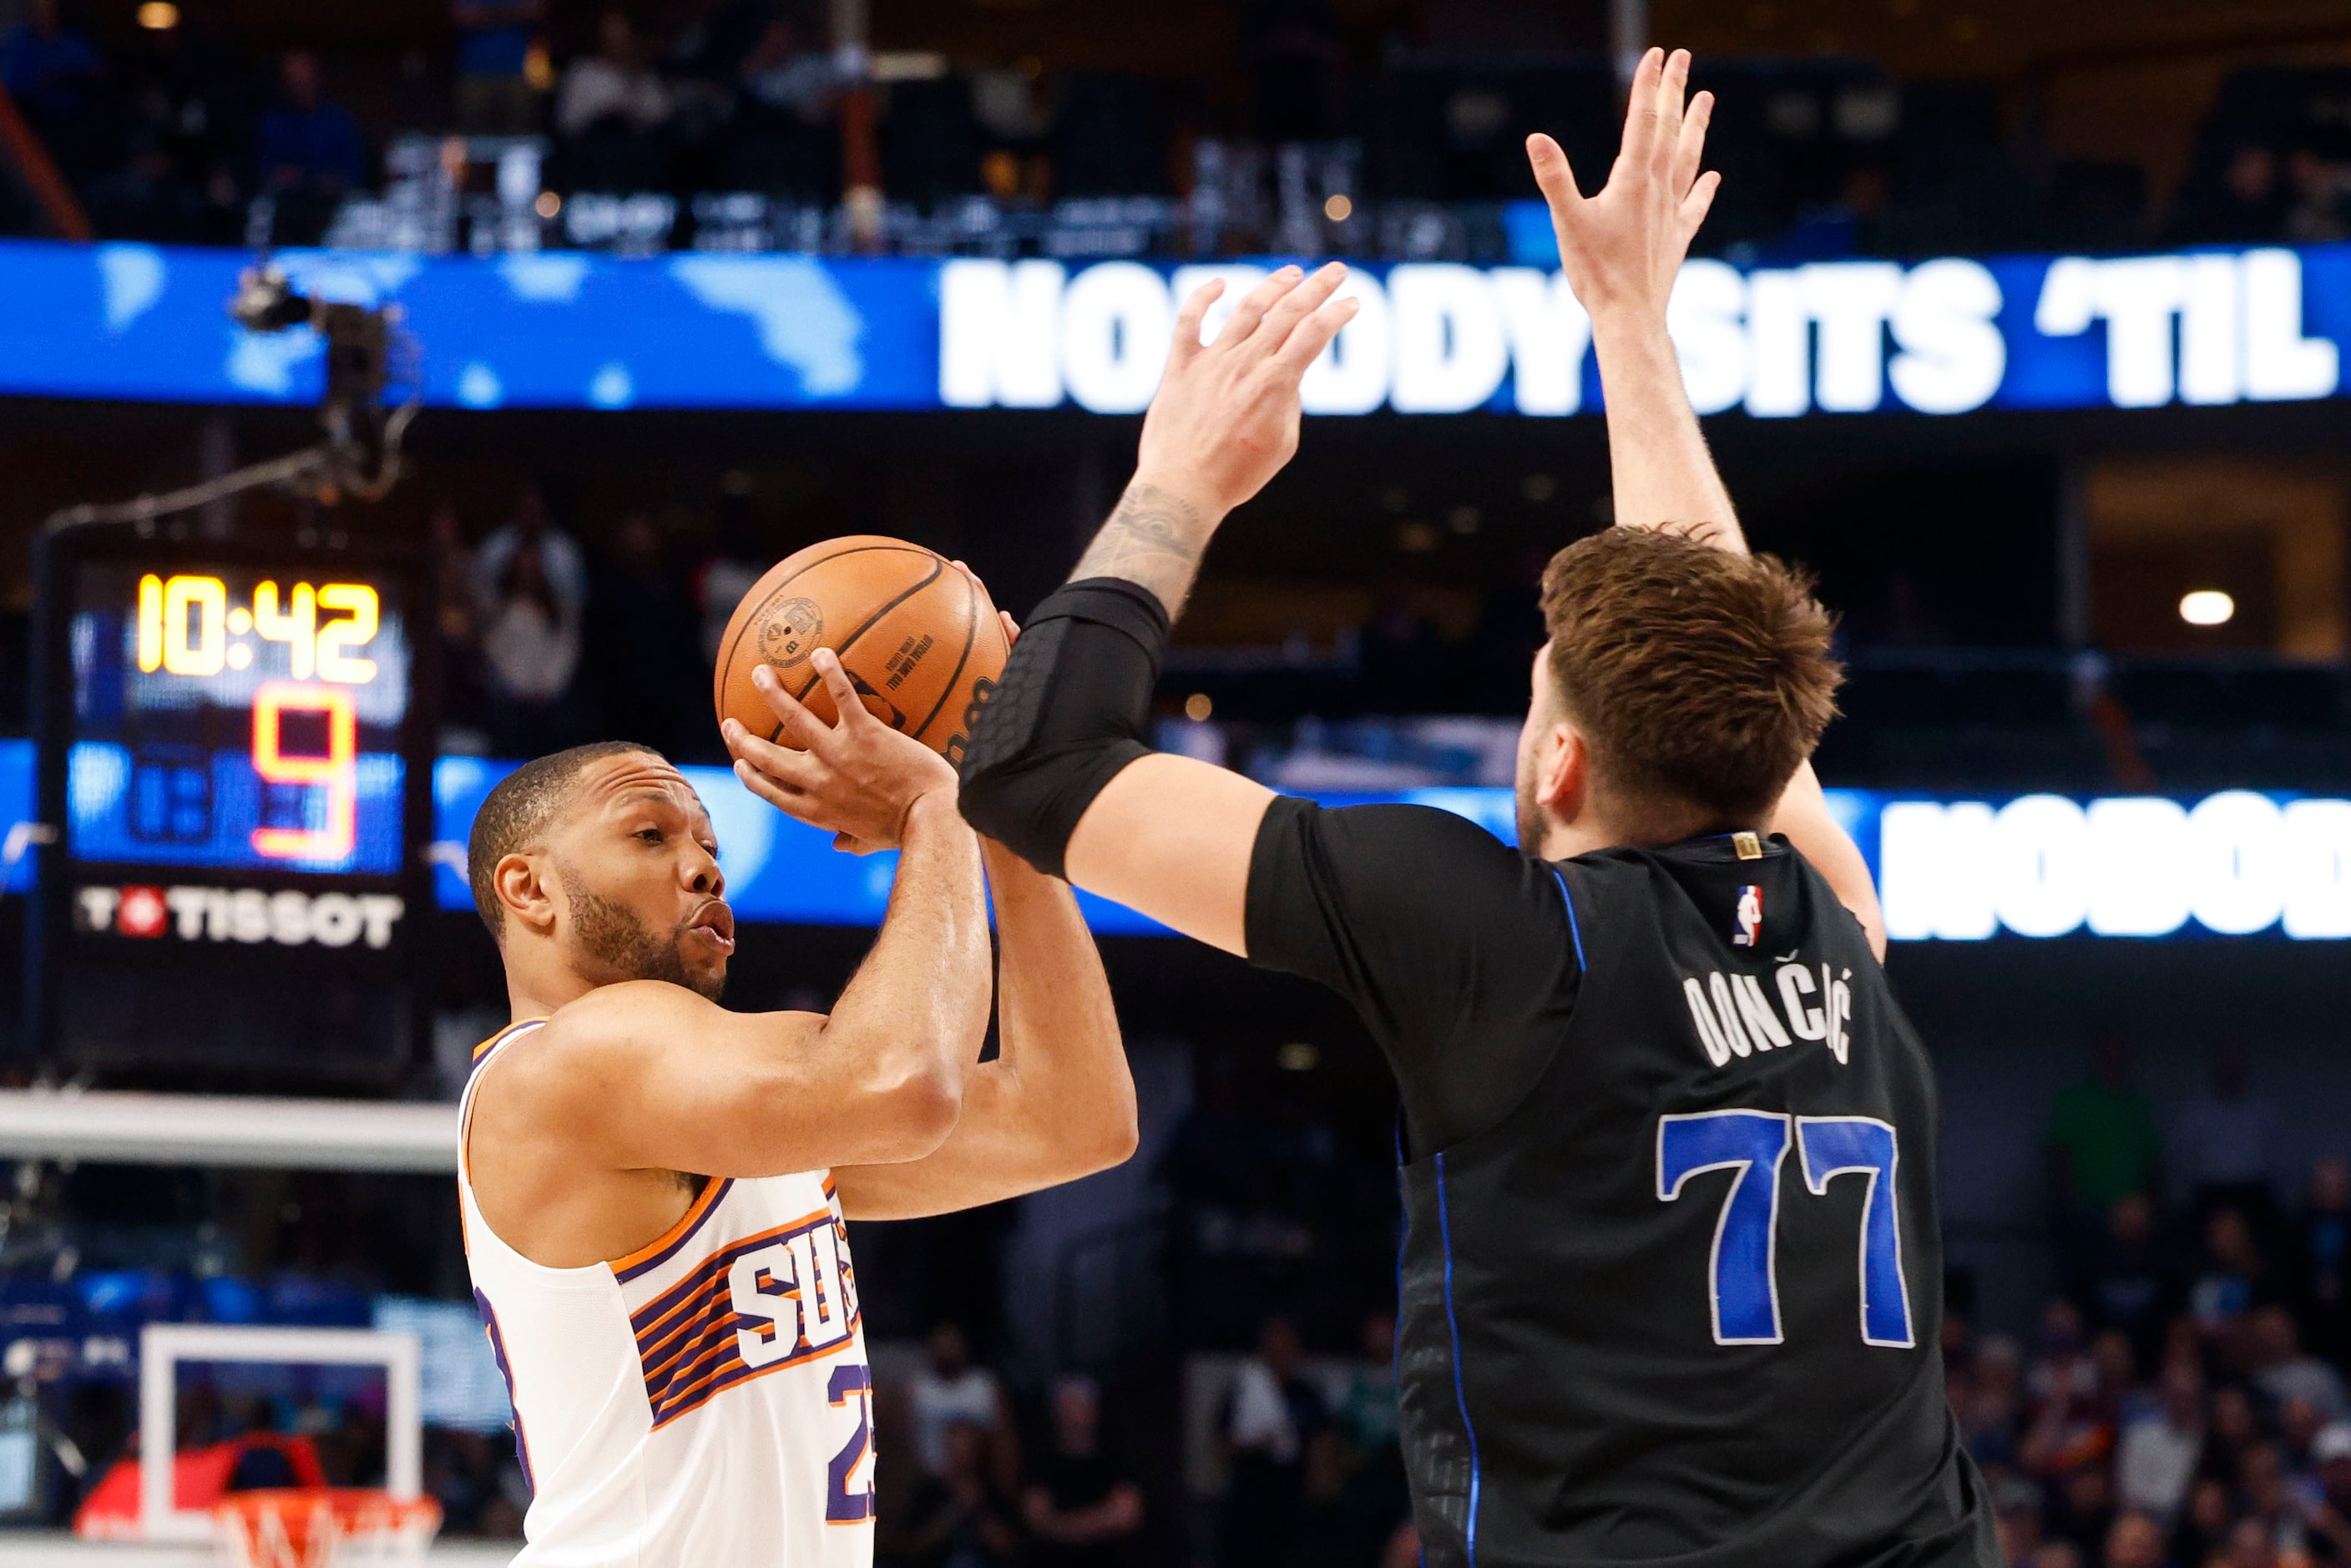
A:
{"points": [[315, 1527]]}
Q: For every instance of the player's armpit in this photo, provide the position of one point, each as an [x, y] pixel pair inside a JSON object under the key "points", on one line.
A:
{"points": [[1171, 837], [1804, 819], [644, 1075], [1057, 1104]]}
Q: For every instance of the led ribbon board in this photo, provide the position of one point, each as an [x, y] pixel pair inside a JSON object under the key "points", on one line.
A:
{"points": [[1940, 337]]}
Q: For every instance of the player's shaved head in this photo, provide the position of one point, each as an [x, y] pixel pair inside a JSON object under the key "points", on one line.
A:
{"points": [[516, 814], [1702, 679]]}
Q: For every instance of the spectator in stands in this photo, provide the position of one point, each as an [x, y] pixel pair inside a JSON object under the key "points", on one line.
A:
{"points": [[2284, 1371], [310, 151], [186, 121], [611, 111], [1294, 55], [950, 1389], [495, 39], [2326, 1501], [1356, 1464], [2204, 1528], [559, 553], [2322, 1258], [955, 1518], [2232, 1274], [1082, 1507], [2316, 186], [1995, 1402], [2129, 1284], [2220, 1144], [2156, 1461], [56, 77], [642, 641], [739, 559], [2135, 1541], [1270, 1417], [2103, 1145], [530, 589], [2245, 205]]}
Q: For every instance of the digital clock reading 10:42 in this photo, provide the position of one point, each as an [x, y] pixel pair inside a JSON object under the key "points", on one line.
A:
{"points": [[250, 719]]}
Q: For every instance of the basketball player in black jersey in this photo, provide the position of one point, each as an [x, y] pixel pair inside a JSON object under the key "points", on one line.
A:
{"points": [[1672, 1275]]}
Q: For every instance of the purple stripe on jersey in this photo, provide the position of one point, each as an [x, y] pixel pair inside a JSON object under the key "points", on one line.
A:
{"points": [[499, 1354]]}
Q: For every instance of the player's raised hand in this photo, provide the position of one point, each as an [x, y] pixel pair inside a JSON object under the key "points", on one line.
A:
{"points": [[857, 778], [1225, 418], [1623, 248]]}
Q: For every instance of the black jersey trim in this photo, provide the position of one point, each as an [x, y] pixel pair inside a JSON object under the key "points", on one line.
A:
{"points": [[1574, 932], [1461, 1394]]}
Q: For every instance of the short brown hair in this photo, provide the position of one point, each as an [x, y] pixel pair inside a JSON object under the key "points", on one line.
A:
{"points": [[516, 814], [1702, 679]]}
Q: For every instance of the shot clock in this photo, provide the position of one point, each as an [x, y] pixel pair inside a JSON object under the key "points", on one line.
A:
{"points": [[236, 762]]}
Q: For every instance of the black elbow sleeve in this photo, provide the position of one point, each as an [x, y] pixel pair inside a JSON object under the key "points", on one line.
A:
{"points": [[1073, 709]]}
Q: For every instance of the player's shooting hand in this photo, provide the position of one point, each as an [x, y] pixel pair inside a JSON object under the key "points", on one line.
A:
{"points": [[1225, 418], [856, 777], [1622, 249]]}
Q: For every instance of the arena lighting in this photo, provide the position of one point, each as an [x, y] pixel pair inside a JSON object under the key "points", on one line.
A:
{"points": [[159, 15], [1338, 209], [2206, 607]]}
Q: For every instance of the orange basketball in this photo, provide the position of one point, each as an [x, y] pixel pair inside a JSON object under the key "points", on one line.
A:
{"points": [[919, 639]]}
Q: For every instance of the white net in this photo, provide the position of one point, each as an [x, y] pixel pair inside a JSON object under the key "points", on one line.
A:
{"points": [[318, 1528]]}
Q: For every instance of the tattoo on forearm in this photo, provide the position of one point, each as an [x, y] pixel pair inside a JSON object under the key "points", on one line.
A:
{"points": [[1154, 540]]}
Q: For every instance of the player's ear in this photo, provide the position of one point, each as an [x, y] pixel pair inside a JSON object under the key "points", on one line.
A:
{"points": [[1563, 772], [525, 892]]}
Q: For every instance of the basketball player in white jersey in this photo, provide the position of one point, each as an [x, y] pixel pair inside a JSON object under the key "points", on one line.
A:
{"points": [[654, 1188]]}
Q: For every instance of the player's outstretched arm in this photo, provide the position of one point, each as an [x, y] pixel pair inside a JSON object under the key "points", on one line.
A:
{"points": [[1058, 769], [659, 1077], [1622, 250], [1058, 1103]]}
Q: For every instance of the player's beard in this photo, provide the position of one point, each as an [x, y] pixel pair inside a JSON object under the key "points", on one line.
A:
{"points": [[613, 936], [1530, 814]]}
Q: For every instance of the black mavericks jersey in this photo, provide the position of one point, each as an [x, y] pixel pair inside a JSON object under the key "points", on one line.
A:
{"points": [[1672, 1276]]}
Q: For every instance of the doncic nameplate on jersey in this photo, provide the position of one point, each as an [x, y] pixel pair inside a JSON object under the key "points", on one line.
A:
{"points": [[235, 766]]}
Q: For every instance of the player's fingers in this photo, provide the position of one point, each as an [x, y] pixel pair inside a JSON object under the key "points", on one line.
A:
{"points": [[1311, 336], [1673, 85], [1641, 109], [794, 726], [1699, 203], [791, 801], [1256, 303], [844, 691], [1553, 176], [1689, 147], [1189, 318], [793, 768], [1011, 627], [1297, 305]]}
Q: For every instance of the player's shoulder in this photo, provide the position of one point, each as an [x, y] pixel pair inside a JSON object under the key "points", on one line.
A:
{"points": [[611, 1028], [1403, 825]]}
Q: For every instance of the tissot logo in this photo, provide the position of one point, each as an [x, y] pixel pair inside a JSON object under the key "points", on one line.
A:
{"points": [[240, 915]]}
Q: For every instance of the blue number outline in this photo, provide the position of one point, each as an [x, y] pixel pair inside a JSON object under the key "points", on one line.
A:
{"points": [[1745, 1167], [1880, 1201]]}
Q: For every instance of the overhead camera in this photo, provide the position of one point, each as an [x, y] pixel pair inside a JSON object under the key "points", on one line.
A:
{"points": [[360, 456]]}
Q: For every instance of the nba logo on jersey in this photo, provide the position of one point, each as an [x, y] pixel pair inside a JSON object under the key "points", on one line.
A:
{"points": [[1746, 925]]}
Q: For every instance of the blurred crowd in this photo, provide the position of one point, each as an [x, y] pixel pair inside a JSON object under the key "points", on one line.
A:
{"points": [[1311, 137], [2181, 1404]]}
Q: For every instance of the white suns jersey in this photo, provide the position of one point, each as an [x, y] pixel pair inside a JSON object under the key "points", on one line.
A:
{"points": [[703, 1401]]}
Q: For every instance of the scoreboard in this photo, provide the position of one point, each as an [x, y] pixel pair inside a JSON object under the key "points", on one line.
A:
{"points": [[234, 754]]}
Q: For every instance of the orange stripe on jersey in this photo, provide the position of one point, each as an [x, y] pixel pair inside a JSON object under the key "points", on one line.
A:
{"points": [[659, 1250], [689, 1342], [491, 1044]]}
